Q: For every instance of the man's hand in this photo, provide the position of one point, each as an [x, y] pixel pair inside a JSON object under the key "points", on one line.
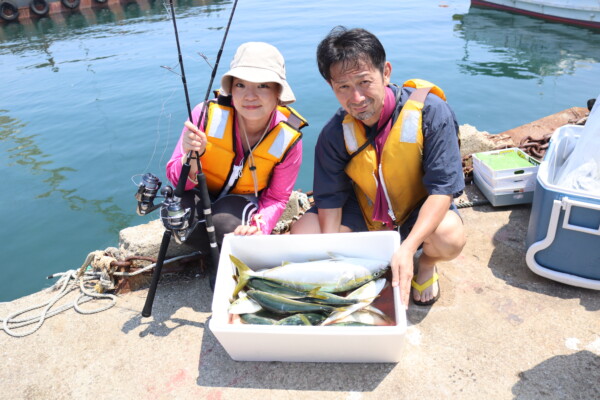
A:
{"points": [[402, 272]]}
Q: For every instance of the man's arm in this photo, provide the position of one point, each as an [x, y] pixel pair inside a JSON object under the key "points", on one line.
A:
{"points": [[430, 216]]}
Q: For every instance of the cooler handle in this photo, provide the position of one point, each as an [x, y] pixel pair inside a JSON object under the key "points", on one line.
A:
{"points": [[538, 246], [567, 204]]}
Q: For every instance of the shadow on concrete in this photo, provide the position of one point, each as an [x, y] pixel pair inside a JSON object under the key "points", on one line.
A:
{"points": [[189, 292], [573, 376], [217, 369], [508, 262]]}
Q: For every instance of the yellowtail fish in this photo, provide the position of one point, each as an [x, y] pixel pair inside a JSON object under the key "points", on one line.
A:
{"points": [[256, 319], [314, 296], [282, 290], [244, 305], [283, 305], [367, 316], [366, 294], [336, 274]]}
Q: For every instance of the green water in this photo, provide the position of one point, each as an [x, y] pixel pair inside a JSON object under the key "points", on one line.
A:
{"points": [[85, 104]]}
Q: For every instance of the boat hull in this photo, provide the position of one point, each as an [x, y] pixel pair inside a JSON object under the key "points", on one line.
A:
{"points": [[581, 15]]}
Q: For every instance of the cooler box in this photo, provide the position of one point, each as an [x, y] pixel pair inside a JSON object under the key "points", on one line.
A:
{"points": [[563, 237], [245, 342]]}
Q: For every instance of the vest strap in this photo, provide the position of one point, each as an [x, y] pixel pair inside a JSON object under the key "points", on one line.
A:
{"points": [[420, 94], [294, 121]]}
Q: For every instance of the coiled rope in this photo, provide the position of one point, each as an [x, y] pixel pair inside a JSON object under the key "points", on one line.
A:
{"points": [[68, 282]]}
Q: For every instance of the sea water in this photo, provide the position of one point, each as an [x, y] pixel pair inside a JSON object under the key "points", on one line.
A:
{"points": [[85, 103]]}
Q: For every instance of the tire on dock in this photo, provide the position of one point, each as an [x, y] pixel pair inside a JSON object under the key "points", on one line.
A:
{"points": [[9, 11], [39, 7]]}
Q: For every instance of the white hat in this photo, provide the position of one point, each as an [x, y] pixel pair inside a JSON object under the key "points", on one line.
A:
{"points": [[258, 62]]}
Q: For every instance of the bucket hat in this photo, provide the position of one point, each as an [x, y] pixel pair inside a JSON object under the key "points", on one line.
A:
{"points": [[258, 62]]}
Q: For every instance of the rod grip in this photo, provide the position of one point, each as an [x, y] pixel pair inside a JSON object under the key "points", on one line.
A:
{"points": [[210, 228], [164, 245], [185, 171]]}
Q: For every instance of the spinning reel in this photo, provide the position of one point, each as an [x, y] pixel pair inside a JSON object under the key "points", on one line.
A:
{"points": [[174, 217]]}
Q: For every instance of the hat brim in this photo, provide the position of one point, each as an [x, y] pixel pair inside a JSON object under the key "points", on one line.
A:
{"points": [[252, 74]]}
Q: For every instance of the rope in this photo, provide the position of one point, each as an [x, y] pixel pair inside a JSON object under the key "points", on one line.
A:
{"points": [[68, 282], [465, 204]]}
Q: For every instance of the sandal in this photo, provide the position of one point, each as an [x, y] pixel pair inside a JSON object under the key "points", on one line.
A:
{"points": [[421, 287]]}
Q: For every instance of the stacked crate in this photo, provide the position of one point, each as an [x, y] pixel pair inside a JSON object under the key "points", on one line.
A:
{"points": [[505, 177]]}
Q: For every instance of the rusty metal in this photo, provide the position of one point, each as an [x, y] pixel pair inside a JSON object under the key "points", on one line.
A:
{"points": [[128, 262]]}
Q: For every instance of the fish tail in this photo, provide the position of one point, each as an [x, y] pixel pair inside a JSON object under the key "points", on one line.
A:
{"points": [[244, 274]]}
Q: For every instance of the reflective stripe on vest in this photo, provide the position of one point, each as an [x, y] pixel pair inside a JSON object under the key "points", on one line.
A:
{"points": [[400, 169], [217, 161]]}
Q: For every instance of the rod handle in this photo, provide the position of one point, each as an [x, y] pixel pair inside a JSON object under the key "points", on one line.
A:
{"points": [[164, 245]]}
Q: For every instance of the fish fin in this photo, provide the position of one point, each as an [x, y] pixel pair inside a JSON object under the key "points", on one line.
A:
{"points": [[244, 274], [304, 319], [315, 294]]}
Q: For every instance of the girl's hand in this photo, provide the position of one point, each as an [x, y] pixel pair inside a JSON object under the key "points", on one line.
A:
{"points": [[193, 139], [247, 230]]}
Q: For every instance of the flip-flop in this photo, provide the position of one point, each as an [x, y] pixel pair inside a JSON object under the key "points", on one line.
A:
{"points": [[421, 287]]}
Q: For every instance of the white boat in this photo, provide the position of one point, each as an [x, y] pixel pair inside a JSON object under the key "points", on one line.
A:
{"points": [[577, 12]]}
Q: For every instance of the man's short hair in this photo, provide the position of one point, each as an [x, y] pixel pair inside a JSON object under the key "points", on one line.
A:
{"points": [[350, 47]]}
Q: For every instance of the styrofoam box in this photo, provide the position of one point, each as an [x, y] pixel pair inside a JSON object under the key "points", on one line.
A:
{"points": [[246, 342], [484, 169], [503, 196]]}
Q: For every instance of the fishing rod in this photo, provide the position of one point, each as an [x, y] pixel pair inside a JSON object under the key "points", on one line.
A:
{"points": [[174, 217]]}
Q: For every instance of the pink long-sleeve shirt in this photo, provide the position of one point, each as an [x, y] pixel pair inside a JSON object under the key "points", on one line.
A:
{"points": [[273, 199]]}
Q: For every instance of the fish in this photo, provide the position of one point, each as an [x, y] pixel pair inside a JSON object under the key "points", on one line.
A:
{"points": [[336, 274], [301, 319], [256, 319], [283, 305], [349, 323], [366, 294], [282, 290], [244, 305], [368, 316], [296, 319], [314, 296]]}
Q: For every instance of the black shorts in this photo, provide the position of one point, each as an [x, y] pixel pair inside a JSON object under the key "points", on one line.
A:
{"points": [[227, 213], [352, 217]]}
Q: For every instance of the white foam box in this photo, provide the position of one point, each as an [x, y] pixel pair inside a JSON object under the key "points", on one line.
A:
{"points": [[246, 342], [518, 177]]}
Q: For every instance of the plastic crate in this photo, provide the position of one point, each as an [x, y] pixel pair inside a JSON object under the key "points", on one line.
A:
{"points": [[481, 164], [524, 181], [503, 196]]}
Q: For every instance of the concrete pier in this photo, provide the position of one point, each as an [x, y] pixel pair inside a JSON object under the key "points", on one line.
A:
{"points": [[498, 332]]}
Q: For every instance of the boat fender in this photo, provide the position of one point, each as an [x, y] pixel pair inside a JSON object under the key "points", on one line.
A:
{"points": [[39, 7], [70, 3], [9, 11]]}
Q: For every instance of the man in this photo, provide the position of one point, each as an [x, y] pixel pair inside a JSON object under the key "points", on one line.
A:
{"points": [[388, 159]]}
